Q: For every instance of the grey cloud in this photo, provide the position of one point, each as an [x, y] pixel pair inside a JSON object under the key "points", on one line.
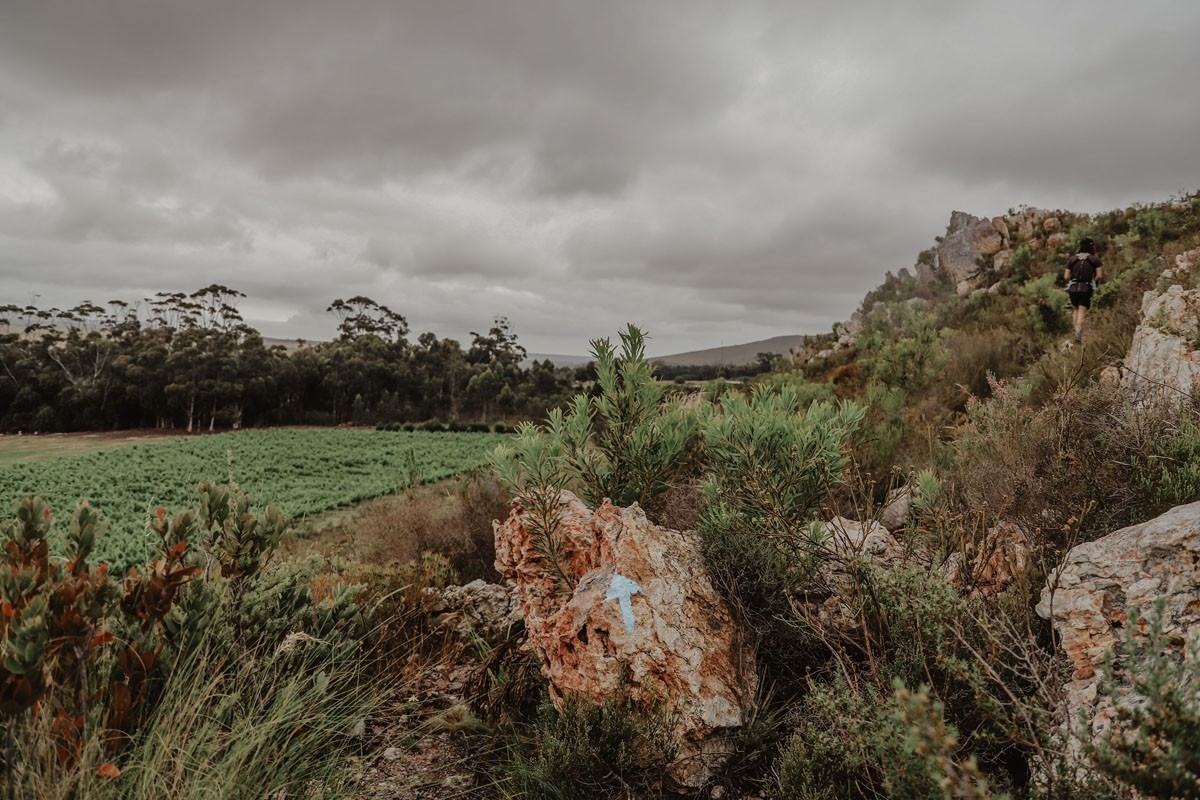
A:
{"points": [[1054, 117], [97, 197], [375, 89], [466, 255], [835, 239]]}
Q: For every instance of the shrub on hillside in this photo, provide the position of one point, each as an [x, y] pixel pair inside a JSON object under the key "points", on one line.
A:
{"points": [[1085, 461], [769, 464]]}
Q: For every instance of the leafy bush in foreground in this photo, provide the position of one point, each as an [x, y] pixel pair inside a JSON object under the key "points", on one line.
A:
{"points": [[205, 671]]}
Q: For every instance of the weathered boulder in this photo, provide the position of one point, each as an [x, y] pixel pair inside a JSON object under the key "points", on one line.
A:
{"points": [[994, 564], [896, 509], [1023, 224], [829, 600], [1057, 241], [629, 607], [967, 239], [1163, 361], [1089, 597], [851, 537], [479, 609]]}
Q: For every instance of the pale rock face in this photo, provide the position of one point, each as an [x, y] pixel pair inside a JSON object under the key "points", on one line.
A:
{"points": [[1051, 224], [1001, 227], [850, 540], [851, 537], [636, 613], [1088, 600], [896, 509], [1001, 261], [967, 238], [479, 608], [1056, 241], [1163, 362], [1023, 224]]}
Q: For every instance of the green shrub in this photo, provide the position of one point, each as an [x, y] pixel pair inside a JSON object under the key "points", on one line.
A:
{"points": [[877, 446], [902, 348], [235, 677], [257, 729], [770, 463], [627, 443], [1168, 471], [1054, 469], [617, 749], [807, 391], [1020, 261], [1154, 742], [857, 742]]}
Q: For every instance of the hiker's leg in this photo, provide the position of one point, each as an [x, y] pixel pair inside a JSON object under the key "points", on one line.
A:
{"points": [[1080, 318]]}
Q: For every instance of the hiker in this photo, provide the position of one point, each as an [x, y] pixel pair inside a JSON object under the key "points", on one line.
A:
{"points": [[1083, 271]]}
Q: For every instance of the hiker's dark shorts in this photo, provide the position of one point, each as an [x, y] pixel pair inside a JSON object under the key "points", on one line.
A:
{"points": [[1080, 299]]}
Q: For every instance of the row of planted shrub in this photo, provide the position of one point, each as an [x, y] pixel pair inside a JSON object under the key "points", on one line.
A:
{"points": [[437, 426]]}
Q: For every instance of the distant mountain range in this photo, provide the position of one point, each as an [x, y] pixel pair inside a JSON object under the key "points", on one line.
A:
{"points": [[731, 355]]}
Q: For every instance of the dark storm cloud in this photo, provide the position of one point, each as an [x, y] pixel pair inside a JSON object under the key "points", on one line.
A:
{"points": [[1097, 104], [715, 172], [368, 90]]}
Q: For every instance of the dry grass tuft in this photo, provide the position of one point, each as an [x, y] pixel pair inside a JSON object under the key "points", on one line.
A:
{"points": [[452, 518]]}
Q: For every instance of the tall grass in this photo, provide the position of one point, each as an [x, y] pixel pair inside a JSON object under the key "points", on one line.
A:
{"points": [[253, 728]]}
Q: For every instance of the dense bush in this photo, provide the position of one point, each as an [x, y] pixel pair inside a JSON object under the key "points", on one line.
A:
{"points": [[1154, 744], [100, 678], [768, 465], [617, 749]]}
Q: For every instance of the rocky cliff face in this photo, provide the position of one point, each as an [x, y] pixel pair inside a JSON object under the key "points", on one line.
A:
{"points": [[969, 239], [1163, 362], [1089, 598], [636, 612]]}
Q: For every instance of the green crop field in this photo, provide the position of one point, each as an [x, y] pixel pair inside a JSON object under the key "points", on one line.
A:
{"points": [[303, 471]]}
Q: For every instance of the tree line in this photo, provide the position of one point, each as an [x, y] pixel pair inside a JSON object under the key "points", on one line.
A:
{"points": [[190, 362]]}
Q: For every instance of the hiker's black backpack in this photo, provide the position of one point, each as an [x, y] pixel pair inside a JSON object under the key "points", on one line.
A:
{"points": [[1083, 273]]}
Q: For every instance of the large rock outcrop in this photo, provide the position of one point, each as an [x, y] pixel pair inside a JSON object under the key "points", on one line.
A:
{"points": [[630, 608], [1163, 362], [1089, 598], [967, 239]]}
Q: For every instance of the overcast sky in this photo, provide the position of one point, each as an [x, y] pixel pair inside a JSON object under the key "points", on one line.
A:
{"points": [[716, 173]]}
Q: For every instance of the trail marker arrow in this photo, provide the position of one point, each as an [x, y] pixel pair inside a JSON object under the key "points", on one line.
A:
{"points": [[622, 589]]}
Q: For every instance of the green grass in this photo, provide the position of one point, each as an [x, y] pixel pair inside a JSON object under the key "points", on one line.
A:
{"points": [[303, 471]]}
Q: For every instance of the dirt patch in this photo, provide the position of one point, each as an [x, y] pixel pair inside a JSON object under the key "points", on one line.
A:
{"points": [[430, 763], [20, 447]]}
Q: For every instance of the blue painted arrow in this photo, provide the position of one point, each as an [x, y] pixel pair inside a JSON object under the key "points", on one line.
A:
{"points": [[622, 589]]}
